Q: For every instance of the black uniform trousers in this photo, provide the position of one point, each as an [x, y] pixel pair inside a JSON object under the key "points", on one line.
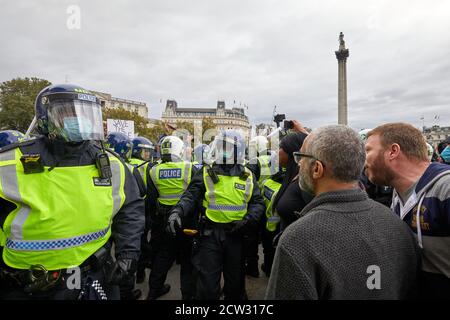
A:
{"points": [[268, 249], [251, 248], [146, 251], [165, 250], [219, 252]]}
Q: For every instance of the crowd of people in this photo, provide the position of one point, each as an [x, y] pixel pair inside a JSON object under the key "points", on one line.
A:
{"points": [[340, 214]]}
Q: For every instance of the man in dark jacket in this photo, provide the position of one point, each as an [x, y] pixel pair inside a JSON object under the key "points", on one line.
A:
{"points": [[344, 245], [231, 208], [396, 155]]}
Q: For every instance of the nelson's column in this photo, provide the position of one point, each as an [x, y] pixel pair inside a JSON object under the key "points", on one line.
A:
{"points": [[342, 55]]}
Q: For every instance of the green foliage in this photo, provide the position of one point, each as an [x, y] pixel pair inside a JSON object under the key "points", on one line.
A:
{"points": [[156, 131], [140, 123], [17, 97], [162, 127]]}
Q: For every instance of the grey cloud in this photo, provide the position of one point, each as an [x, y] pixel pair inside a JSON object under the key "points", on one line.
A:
{"points": [[258, 53]]}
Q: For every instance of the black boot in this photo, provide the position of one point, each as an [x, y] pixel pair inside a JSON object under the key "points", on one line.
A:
{"points": [[265, 270], [132, 295], [155, 295], [140, 275], [252, 270]]}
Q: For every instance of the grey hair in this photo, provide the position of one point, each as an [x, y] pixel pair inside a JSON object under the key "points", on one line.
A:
{"points": [[340, 149]]}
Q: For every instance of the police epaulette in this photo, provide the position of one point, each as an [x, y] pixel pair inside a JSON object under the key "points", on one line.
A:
{"points": [[113, 153], [244, 175], [109, 151], [17, 145]]}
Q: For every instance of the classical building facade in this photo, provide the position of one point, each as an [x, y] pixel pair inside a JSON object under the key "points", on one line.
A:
{"points": [[107, 101], [223, 118], [436, 134]]}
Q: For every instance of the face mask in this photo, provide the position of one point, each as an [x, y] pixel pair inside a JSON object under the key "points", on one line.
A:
{"points": [[72, 129], [225, 157], [445, 154]]}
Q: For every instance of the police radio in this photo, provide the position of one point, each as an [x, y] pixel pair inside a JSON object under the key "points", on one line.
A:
{"points": [[212, 174], [103, 164], [32, 163]]}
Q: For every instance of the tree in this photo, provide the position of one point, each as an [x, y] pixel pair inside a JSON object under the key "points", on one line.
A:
{"points": [[182, 126], [140, 123], [17, 98], [188, 127], [157, 131]]}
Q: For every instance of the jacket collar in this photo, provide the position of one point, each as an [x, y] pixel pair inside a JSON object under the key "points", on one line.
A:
{"points": [[339, 201], [434, 171]]}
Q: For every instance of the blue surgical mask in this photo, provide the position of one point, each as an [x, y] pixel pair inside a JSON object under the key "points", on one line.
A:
{"points": [[72, 128], [445, 154]]}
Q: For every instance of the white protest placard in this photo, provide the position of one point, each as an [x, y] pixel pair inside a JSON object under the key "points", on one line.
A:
{"points": [[124, 126]]}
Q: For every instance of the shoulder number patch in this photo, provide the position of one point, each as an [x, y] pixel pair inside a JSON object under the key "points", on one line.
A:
{"points": [[239, 186], [99, 182]]}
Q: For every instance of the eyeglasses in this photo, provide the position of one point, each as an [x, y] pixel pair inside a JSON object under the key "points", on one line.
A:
{"points": [[298, 155]]}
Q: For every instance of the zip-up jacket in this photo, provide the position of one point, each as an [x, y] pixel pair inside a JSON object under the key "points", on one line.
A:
{"points": [[430, 205]]}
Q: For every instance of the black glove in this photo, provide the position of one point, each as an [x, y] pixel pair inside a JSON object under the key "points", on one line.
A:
{"points": [[239, 227], [121, 271], [174, 222], [276, 239]]}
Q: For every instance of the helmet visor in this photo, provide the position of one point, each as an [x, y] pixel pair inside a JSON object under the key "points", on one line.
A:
{"points": [[146, 153], [225, 152], [127, 155], [75, 120]]}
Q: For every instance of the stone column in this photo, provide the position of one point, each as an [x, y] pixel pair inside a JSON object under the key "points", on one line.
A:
{"points": [[342, 55]]}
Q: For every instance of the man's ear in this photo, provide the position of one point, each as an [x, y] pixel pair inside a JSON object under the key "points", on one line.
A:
{"points": [[394, 151], [318, 170]]}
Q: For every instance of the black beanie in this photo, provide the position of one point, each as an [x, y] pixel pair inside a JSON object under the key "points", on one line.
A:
{"points": [[290, 143]]}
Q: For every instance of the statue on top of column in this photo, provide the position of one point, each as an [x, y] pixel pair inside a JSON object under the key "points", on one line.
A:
{"points": [[341, 41]]}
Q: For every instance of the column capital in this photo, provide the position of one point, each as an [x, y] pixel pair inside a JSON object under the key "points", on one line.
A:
{"points": [[342, 54]]}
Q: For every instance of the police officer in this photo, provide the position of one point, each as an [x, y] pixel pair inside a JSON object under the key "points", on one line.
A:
{"points": [[260, 165], [201, 156], [78, 200], [142, 151], [141, 158], [167, 182], [122, 146], [231, 207], [8, 137], [269, 190], [260, 158]]}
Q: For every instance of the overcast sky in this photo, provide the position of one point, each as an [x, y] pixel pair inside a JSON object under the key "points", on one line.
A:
{"points": [[259, 53]]}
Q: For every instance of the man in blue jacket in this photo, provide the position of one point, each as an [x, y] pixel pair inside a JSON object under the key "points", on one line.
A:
{"points": [[396, 155]]}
